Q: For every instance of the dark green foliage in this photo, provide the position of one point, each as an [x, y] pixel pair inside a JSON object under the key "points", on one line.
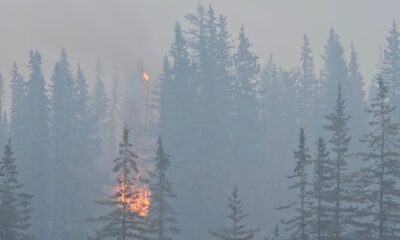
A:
{"points": [[380, 175], [236, 230], [164, 225], [320, 192], [298, 226], [14, 203], [121, 223], [340, 140]]}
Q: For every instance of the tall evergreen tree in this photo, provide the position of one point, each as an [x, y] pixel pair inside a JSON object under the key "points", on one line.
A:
{"points": [[244, 99], [340, 141], [121, 222], [208, 42], [115, 114], [162, 215], [166, 105], [320, 193], [355, 94], [356, 84], [236, 230], [34, 147], [64, 154], [298, 225], [14, 203], [381, 174], [17, 105], [269, 90], [85, 168], [101, 107], [175, 115], [308, 94], [3, 121], [334, 70], [391, 64]]}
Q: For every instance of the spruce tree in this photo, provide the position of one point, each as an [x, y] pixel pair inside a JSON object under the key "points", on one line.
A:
{"points": [[298, 226], [14, 203], [307, 93], [115, 114], [356, 95], [175, 114], [334, 70], [86, 170], [101, 107], [121, 223], [236, 230], [391, 64], [3, 123], [381, 174], [17, 105], [320, 192], [340, 140], [64, 153], [33, 147], [245, 108], [276, 234], [162, 218], [356, 82]]}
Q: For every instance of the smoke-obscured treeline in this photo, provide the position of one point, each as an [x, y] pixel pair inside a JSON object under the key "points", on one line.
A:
{"points": [[293, 154]]}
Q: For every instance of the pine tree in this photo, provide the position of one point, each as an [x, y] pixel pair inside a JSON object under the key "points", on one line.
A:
{"points": [[33, 148], [3, 123], [17, 105], [356, 82], [269, 90], [244, 99], [162, 215], [166, 103], [101, 105], [335, 68], [115, 114], [176, 115], [391, 64], [121, 222], [322, 184], [340, 141], [308, 95], [14, 203], [381, 173], [86, 168], [211, 59], [355, 95], [64, 154], [236, 230], [298, 224], [276, 234]]}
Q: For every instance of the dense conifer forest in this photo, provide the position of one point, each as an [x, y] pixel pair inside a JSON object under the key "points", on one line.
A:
{"points": [[219, 145]]}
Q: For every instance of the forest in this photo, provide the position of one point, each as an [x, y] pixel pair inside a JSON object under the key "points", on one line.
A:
{"points": [[219, 145]]}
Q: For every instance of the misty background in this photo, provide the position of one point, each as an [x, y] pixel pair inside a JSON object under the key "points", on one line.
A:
{"points": [[257, 156], [118, 32]]}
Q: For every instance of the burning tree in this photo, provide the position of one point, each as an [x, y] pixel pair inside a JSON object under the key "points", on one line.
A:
{"points": [[127, 219]]}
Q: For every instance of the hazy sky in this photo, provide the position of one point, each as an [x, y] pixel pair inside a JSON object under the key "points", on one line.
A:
{"points": [[118, 31]]}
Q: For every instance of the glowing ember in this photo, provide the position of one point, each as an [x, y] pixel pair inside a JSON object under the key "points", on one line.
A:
{"points": [[139, 202], [142, 204], [146, 76]]}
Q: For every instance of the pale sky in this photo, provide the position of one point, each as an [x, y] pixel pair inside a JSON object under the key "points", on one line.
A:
{"points": [[119, 31]]}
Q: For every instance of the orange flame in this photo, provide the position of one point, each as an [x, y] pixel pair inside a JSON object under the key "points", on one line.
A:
{"points": [[142, 204], [146, 76], [139, 203]]}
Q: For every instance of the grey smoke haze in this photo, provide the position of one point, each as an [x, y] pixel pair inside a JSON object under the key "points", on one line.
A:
{"points": [[119, 31]]}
